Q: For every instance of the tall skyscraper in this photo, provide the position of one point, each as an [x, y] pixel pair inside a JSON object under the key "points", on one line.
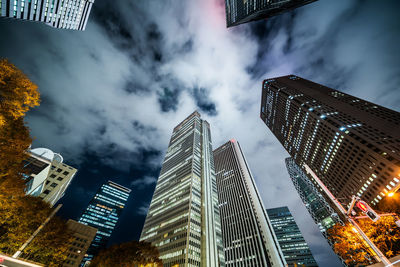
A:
{"points": [[243, 11], [352, 145], [320, 208], [56, 13], [247, 233], [82, 238], [46, 175], [291, 240], [183, 219], [103, 213]]}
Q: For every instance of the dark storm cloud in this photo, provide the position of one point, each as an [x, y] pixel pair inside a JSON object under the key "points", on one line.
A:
{"points": [[111, 95], [203, 101]]}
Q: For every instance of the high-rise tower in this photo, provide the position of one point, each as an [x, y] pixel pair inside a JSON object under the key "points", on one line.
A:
{"points": [[242, 11], [103, 213], [248, 236], [294, 247], [57, 13], [351, 144], [183, 219]]}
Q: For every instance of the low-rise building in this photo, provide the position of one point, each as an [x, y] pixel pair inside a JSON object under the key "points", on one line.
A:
{"points": [[83, 237]]}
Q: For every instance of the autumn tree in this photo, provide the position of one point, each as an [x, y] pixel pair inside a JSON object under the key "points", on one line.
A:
{"points": [[20, 218], [17, 95], [51, 246], [21, 215], [350, 247], [130, 254]]}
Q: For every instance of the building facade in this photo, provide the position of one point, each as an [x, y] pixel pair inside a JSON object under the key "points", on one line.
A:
{"points": [[293, 245], [352, 145], [322, 212], [103, 213], [247, 233], [46, 175], [183, 218], [243, 11], [82, 238], [59, 178], [62, 14], [320, 209]]}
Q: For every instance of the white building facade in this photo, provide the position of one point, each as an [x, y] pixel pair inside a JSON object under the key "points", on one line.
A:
{"points": [[46, 175]]}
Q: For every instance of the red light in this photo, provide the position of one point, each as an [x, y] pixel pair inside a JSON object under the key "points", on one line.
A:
{"points": [[1, 259], [362, 206]]}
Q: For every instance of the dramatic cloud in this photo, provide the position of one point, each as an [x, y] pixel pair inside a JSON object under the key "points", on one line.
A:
{"points": [[143, 182], [116, 91]]}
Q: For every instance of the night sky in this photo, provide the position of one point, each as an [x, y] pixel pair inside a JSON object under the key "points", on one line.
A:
{"points": [[112, 94]]}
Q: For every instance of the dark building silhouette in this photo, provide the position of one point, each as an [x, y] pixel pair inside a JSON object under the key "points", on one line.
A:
{"points": [[247, 233], [293, 245], [351, 144], [242, 11], [103, 213]]}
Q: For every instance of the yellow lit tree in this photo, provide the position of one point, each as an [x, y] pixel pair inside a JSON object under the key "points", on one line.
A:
{"points": [[350, 247], [17, 95], [21, 215]]}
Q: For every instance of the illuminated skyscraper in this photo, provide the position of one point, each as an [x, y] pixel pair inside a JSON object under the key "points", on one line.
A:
{"points": [[56, 13], [103, 213], [292, 242], [242, 11], [247, 233], [352, 145], [183, 219]]}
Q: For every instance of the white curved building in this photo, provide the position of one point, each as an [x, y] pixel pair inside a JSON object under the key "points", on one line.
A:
{"points": [[47, 176]]}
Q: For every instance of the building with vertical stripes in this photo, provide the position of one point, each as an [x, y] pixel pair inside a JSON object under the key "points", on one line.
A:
{"points": [[64, 14], [103, 213], [293, 245], [352, 145], [243, 11], [247, 232], [183, 219]]}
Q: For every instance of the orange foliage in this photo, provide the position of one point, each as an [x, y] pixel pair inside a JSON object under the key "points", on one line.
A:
{"points": [[17, 93], [349, 246]]}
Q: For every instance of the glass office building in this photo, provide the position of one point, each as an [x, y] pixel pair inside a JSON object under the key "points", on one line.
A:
{"points": [[293, 245], [319, 208], [183, 219], [55, 13], [247, 233], [321, 211], [103, 213]]}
